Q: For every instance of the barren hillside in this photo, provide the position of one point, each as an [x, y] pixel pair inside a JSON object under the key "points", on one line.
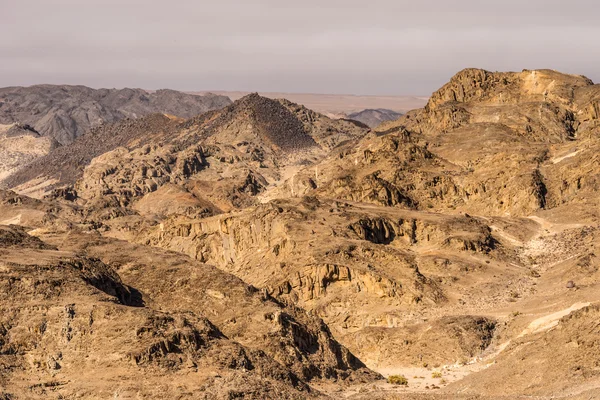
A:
{"points": [[267, 251], [66, 112]]}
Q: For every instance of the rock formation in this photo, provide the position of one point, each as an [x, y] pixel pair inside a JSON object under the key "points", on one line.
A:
{"points": [[264, 250]]}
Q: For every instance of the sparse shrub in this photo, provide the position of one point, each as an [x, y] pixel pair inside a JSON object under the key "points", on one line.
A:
{"points": [[516, 313], [534, 273], [436, 374], [398, 380]]}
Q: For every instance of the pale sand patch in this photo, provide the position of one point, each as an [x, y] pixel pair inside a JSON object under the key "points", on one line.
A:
{"points": [[548, 322], [556, 160]]}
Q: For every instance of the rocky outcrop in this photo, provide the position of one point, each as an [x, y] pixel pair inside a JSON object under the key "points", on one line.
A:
{"points": [[312, 282], [548, 109], [82, 303], [378, 230], [467, 85], [126, 177], [476, 237], [21, 145], [473, 84], [371, 189]]}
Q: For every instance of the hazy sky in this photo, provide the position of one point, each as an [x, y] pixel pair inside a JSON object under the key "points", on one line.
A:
{"points": [[317, 46]]}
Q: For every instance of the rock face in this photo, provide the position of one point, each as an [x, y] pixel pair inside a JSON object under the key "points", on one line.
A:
{"points": [[65, 164], [20, 145], [66, 112], [41, 346], [318, 255], [263, 250], [88, 305], [374, 117]]}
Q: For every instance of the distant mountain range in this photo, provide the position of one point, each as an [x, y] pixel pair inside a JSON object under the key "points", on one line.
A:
{"points": [[66, 112], [373, 118]]}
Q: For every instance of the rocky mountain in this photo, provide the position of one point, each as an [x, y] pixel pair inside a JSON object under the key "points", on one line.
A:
{"points": [[338, 105], [486, 143], [233, 154], [65, 164], [264, 250], [374, 117], [65, 112]]}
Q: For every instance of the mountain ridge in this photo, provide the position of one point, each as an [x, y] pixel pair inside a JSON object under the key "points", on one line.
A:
{"points": [[65, 112]]}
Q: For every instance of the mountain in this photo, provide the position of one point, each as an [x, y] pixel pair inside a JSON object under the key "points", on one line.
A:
{"points": [[338, 105], [233, 153], [115, 302], [264, 250], [486, 143], [65, 112], [65, 164], [374, 117]]}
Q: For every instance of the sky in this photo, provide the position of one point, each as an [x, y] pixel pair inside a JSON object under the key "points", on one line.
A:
{"points": [[376, 47]]}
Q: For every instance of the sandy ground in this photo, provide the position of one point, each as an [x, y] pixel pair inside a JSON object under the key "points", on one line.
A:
{"points": [[556, 160], [432, 378]]}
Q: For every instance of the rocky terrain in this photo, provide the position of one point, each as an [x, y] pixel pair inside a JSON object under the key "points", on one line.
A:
{"points": [[264, 250], [374, 117], [66, 112], [39, 123], [65, 164]]}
